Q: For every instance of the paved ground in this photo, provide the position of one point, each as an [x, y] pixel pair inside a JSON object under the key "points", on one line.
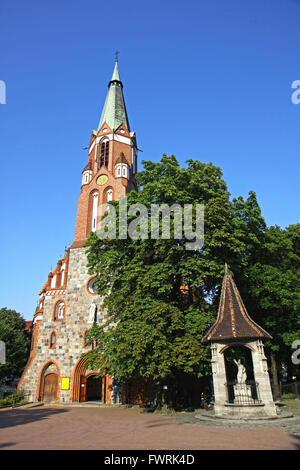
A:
{"points": [[54, 427]]}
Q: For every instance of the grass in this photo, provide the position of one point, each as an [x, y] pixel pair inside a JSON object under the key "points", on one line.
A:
{"points": [[291, 404]]}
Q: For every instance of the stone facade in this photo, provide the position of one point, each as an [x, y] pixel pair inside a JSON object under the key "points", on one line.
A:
{"points": [[64, 356]]}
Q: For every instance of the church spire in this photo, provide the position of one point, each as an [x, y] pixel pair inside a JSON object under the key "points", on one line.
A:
{"points": [[114, 111]]}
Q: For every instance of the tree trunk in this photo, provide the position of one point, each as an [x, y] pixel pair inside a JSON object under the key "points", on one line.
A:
{"points": [[276, 389]]}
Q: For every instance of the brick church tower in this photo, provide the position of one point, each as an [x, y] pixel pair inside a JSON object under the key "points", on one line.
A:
{"points": [[68, 303]]}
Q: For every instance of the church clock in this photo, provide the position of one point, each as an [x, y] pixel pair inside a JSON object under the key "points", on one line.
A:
{"points": [[102, 179]]}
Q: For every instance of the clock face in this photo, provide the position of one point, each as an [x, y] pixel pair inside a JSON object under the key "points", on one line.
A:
{"points": [[102, 179]]}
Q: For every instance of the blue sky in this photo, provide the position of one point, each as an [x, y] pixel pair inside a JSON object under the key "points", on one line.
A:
{"points": [[208, 80]]}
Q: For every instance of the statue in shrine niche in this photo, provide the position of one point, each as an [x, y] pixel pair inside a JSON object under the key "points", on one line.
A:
{"points": [[92, 313], [241, 375]]}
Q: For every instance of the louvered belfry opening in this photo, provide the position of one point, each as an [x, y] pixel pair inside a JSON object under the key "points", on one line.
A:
{"points": [[103, 154]]}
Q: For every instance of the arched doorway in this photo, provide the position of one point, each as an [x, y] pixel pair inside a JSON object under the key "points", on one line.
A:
{"points": [[94, 388], [50, 387], [87, 387]]}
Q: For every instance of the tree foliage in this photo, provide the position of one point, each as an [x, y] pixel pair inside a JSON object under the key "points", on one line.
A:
{"points": [[274, 291], [269, 280], [160, 297], [17, 344]]}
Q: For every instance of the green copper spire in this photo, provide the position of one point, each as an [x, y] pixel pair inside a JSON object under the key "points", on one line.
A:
{"points": [[114, 111], [116, 75]]}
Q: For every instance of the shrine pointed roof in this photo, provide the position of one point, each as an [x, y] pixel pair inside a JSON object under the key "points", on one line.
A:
{"points": [[233, 321]]}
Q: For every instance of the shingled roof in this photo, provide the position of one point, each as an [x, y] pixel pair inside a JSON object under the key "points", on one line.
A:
{"points": [[233, 322]]}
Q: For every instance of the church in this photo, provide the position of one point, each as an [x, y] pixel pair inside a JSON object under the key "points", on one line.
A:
{"points": [[68, 302]]}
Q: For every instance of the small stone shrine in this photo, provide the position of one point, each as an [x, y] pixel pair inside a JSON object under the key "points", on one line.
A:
{"points": [[239, 366]]}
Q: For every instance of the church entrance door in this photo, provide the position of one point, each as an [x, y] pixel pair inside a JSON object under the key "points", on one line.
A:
{"points": [[82, 392], [94, 388], [50, 387], [87, 387]]}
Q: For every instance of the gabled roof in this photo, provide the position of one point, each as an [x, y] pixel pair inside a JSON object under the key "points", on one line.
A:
{"points": [[114, 111], [233, 322]]}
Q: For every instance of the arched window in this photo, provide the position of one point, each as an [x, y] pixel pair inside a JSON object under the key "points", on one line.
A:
{"points": [[103, 153], [52, 340], [119, 171], [95, 211], [59, 310], [122, 170], [92, 289], [86, 177], [109, 195]]}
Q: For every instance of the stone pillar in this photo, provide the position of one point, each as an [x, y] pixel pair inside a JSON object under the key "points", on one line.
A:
{"points": [[219, 377], [261, 375]]}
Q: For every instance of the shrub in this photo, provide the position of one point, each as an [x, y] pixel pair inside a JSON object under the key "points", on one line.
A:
{"points": [[288, 396], [12, 399]]}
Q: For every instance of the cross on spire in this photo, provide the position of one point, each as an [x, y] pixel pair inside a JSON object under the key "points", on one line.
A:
{"points": [[116, 54]]}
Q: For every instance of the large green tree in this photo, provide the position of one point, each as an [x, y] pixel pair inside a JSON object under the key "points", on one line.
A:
{"points": [[274, 294], [161, 297], [17, 344], [269, 281]]}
